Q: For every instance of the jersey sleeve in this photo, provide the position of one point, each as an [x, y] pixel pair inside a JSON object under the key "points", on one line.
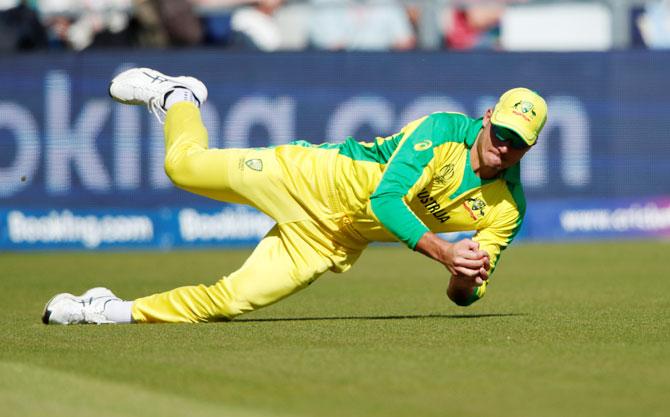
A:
{"points": [[494, 238], [493, 241], [405, 167]]}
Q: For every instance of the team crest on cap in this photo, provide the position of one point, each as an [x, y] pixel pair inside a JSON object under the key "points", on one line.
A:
{"points": [[525, 109]]}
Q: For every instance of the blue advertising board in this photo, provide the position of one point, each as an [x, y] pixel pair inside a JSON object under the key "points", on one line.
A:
{"points": [[71, 158]]}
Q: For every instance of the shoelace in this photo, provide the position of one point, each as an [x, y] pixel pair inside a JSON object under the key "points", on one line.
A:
{"points": [[95, 318], [95, 315], [87, 317], [157, 110]]}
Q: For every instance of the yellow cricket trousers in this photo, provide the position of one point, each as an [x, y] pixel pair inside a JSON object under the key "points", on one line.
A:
{"points": [[290, 183]]}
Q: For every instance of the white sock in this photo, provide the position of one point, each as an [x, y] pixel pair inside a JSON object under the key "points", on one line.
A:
{"points": [[118, 311], [178, 95]]}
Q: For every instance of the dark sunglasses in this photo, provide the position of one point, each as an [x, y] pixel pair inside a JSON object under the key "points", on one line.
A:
{"points": [[509, 137]]}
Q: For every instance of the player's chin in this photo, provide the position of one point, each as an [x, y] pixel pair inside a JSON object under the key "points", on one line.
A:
{"points": [[493, 159], [495, 163], [506, 163]]}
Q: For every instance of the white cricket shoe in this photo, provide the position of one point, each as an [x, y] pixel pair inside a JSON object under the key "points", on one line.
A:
{"points": [[89, 307], [147, 86]]}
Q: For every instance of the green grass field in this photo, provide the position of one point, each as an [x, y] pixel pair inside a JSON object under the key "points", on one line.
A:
{"points": [[565, 330]]}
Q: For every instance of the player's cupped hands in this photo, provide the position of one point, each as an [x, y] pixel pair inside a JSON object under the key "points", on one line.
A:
{"points": [[463, 259], [466, 261]]}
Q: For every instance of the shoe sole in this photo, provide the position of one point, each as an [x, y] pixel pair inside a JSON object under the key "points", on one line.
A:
{"points": [[46, 313]]}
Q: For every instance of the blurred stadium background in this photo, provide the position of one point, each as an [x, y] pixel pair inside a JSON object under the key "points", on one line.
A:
{"points": [[574, 329], [80, 172]]}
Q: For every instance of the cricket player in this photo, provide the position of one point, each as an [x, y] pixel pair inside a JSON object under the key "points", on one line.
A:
{"points": [[444, 172]]}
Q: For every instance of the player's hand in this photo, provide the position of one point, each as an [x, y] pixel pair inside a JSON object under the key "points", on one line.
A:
{"points": [[464, 259], [472, 281]]}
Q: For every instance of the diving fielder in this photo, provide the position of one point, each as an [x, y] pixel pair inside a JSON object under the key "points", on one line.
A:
{"points": [[444, 172]]}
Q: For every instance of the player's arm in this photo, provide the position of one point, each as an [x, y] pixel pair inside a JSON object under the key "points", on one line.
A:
{"points": [[463, 259], [463, 292], [492, 240], [405, 168], [468, 265]]}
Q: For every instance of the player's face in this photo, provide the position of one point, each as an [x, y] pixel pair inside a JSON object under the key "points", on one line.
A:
{"points": [[495, 153]]}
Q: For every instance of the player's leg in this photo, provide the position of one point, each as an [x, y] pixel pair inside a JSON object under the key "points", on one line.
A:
{"points": [[253, 176], [247, 176], [185, 135], [220, 174], [283, 263], [288, 259]]}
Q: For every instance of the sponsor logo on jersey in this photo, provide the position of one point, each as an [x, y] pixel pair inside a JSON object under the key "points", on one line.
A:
{"points": [[525, 109], [255, 164], [432, 206], [423, 145], [445, 173], [473, 205]]}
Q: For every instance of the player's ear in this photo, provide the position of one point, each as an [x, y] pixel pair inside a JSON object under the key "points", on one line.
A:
{"points": [[487, 116]]}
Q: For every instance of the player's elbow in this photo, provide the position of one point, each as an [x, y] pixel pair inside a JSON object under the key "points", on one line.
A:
{"points": [[461, 299], [465, 296]]}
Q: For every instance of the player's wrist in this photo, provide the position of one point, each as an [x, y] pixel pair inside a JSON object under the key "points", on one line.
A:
{"points": [[436, 248]]}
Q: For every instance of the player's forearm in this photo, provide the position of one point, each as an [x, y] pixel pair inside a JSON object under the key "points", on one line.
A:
{"points": [[433, 246], [462, 290], [397, 218]]}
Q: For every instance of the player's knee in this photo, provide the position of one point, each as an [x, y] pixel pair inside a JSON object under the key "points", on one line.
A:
{"points": [[177, 169]]}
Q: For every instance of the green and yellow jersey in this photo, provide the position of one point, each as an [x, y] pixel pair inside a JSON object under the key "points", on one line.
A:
{"points": [[420, 179], [329, 202]]}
